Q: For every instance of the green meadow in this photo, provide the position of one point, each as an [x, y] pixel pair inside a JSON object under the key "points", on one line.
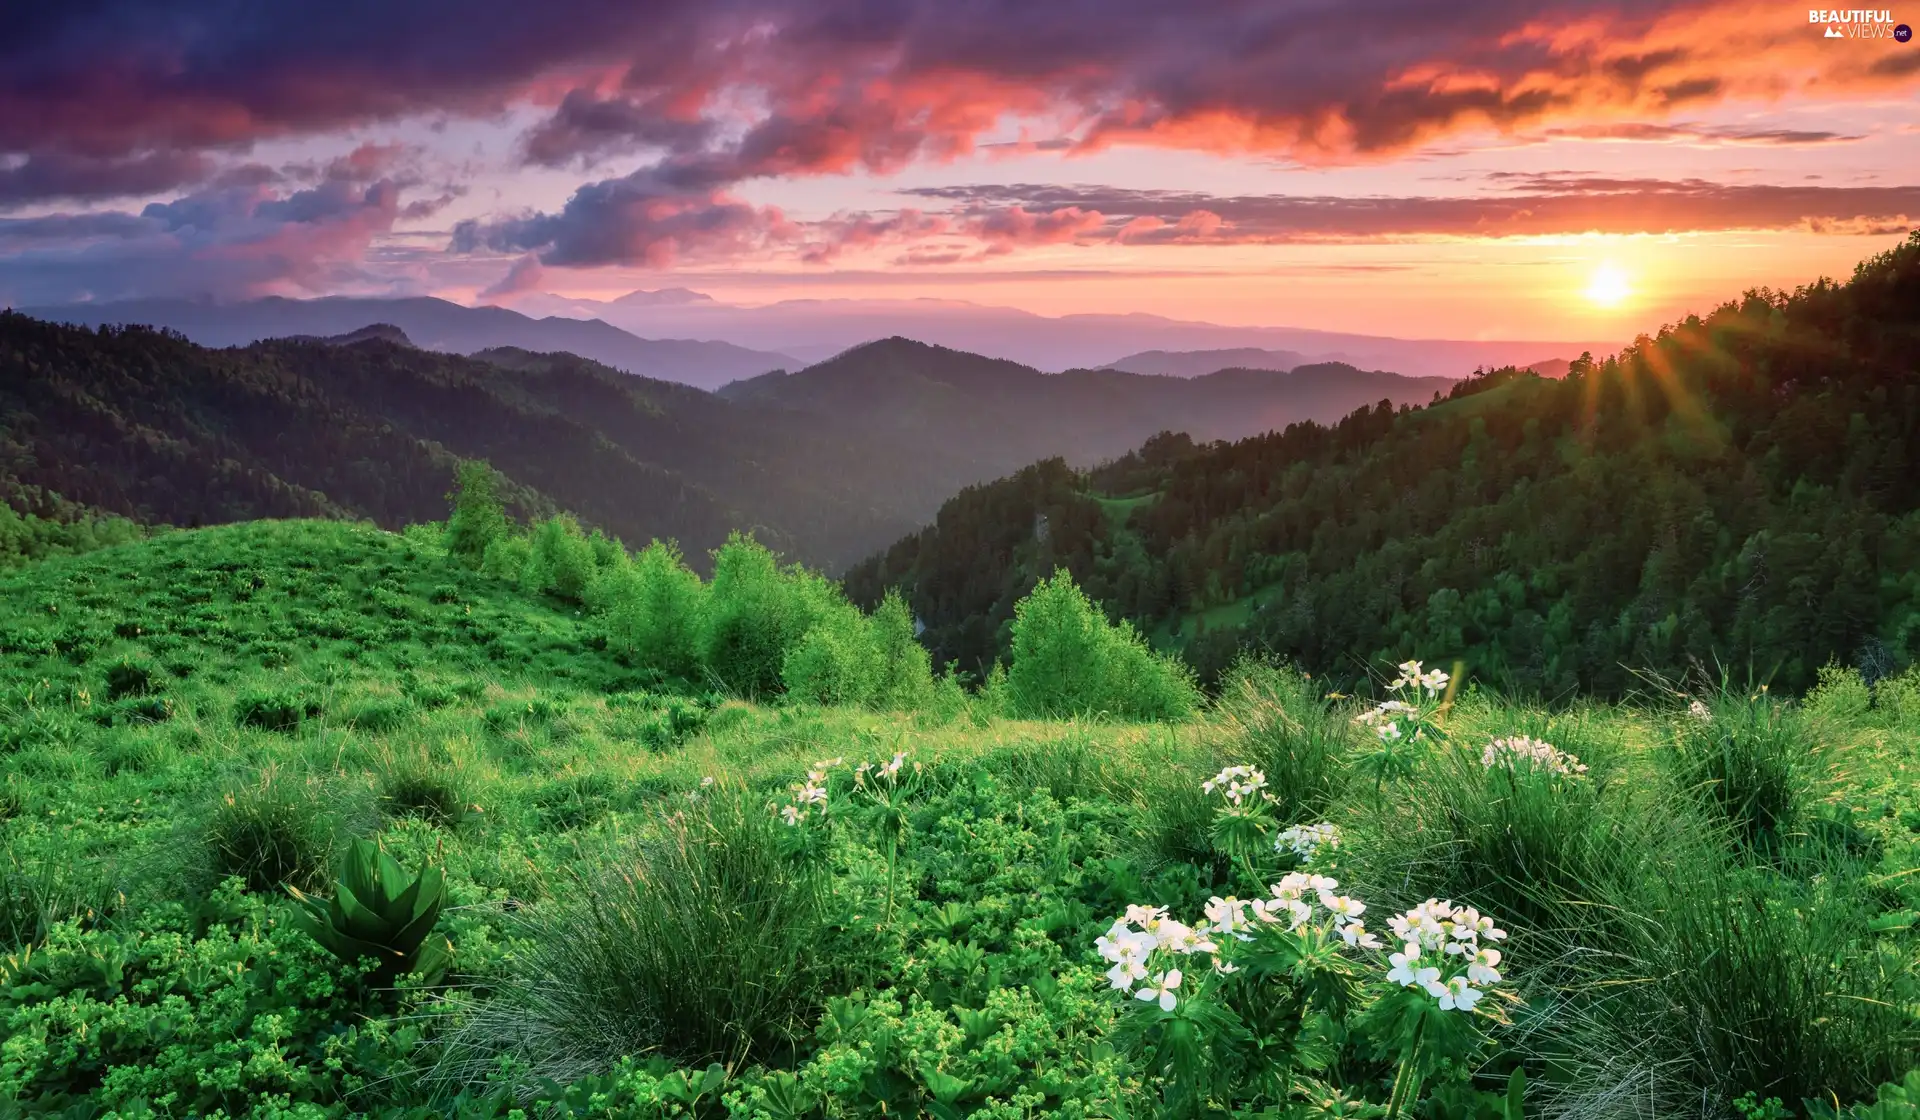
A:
{"points": [[310, 819]]}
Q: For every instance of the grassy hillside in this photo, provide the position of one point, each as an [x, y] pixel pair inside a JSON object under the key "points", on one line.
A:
{"points": [[1713, 907], [1731, 492]]}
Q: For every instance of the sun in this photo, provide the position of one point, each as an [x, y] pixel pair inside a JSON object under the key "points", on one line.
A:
{"points": [[1609, 287]]}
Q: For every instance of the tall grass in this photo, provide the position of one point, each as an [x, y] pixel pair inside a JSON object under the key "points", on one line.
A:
{"points": [[699, 941], [1755, 761], [1275, 720]]}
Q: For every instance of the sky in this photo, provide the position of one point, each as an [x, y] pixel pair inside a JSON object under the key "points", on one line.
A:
{"points": [[1519, 169]]}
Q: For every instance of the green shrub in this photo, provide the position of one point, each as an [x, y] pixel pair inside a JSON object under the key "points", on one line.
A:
{"points": [[755, 614], [271, 833], [436, 787], [1275, 721], [282, 710], [905, 670], [835, 661], [376, 714], [128, 677], [701, 942], [1756, 761], [478, 520], [506, 557], [559, 559], [655, 612], [1068, 659]]}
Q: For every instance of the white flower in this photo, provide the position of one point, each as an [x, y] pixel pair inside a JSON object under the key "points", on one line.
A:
{"points": [[1238, 783], [1699, 711], [706, 781], [1341, 905], [1482, 970], [1458, 995], [1320, 883], [1406, 966], [829, 763], [1227, 915], [1140, 915], [1434, 682], [1121, 977], [1161, 988], [1306, 840], [1292, 885], [1356, 935], [1524, 751], [1224, 967], [791, 814], [1388, 732]]}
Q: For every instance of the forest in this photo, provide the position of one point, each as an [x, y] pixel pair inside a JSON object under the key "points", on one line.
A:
{"points": [[1734, 493]]}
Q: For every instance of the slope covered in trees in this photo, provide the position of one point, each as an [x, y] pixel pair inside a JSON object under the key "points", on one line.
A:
{"points": [[1736, 491], [1001, 415], [146, 425]]}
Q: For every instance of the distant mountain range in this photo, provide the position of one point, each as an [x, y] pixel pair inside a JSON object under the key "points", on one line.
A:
{"points": [[827, 464], [676, 334], [432, 324], [813, 329], [1198, 363], [1002, 415]]}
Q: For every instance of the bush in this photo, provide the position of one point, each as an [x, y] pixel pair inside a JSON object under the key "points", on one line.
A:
{"points": [[836, 661], [559, 559], [701, 942], [905, 670], [755, 613], [271, 833], [1753, 760], [1276, 723], [128, 677], [435, 787], [274, 710], [1068, 660], [506, 557], [655, 611], [478, 519]]}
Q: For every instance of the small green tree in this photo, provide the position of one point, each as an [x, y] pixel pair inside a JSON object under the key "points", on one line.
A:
{"points": [[478, 519], [1067, 659], [756, 612], [561, 561], [835, 661], [655, 612], [905, 670]]}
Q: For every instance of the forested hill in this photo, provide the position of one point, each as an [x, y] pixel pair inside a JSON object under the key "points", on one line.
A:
{"points": [[146, 425], [1738, 491], [1002, 415]]}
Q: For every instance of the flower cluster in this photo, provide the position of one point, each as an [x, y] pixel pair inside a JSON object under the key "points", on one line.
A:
{"points": [[809, 794], [1521, 750], [1446, 952], [1237, 782], [1145, 945], [1700, 712], [888, 771], [1306, 840], [1431, 681], [1386, 718], [1134, 941]]}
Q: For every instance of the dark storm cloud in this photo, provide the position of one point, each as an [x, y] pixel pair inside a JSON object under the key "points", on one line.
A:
{"points": [[867, 81], [42, 176]]}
